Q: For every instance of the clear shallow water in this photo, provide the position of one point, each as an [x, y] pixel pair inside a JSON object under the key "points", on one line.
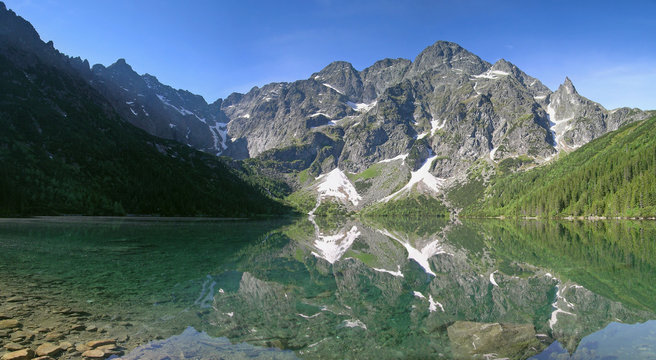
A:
{"points": [[325, 289]]}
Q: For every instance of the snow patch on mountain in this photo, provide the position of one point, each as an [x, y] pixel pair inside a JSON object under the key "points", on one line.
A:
{"points": [[220, 134], [362, 107], [336, 184], [332, 247], [436, 125], [492, 152], [432, 304], [558, 127]]}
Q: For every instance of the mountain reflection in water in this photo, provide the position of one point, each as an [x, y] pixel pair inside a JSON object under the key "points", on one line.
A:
{"points": [[382, 288]]}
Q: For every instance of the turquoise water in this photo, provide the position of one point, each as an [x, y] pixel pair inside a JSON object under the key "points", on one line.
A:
{"points": [[346, 289]]}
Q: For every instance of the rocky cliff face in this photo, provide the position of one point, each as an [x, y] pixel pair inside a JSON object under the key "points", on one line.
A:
{"points": [[576, 120]]}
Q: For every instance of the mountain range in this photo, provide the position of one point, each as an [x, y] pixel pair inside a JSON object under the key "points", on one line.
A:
{"points": [[355, 138]]}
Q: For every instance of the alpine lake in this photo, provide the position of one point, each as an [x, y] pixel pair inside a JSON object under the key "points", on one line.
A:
{"points": [[316, 288]]}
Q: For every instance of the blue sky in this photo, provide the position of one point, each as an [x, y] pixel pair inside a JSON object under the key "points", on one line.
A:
{"points": [[213, 48]]}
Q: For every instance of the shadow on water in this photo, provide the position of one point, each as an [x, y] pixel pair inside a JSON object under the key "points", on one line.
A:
{"points": [[376, 288]]}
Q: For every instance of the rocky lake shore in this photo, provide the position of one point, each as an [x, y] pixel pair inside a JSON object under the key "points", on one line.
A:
{"points": [[38, 325]]}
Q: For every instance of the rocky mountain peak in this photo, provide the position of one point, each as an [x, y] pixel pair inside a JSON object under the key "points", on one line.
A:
{"points": [[121, 66], [444, 56], [568, 86], [337, 67], [379, 76], [342, 77], [504, 65], [15, 29]]}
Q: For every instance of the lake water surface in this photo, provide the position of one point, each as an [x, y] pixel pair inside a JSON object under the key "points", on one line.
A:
{"points": [[316, 289]]}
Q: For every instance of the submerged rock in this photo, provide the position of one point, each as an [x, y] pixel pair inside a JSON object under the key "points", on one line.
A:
{"points": [[54, 336], [96, 343], [9, 324], [94, 354], [25, 354], [12, 346], [48, 349], [515, 341]]}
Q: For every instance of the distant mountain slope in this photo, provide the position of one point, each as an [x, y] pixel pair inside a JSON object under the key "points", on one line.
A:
{"points": [[65, 150], [614, 175], [161, 110]]}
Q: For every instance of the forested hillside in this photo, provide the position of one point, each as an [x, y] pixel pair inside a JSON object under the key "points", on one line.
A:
{"points": [[64, 150], [614, 175]]}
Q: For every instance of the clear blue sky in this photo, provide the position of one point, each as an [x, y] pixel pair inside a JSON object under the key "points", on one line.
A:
{"points": [[213, 48]]}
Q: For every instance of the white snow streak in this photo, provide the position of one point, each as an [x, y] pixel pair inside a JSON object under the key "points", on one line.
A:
{"points": [[432, 304], [396, 273], [400, 157], [492, 279], [308, 317], [418, 294], [354, 323], [421, 176], [491, 74], [332, 87], [133, 112]]}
